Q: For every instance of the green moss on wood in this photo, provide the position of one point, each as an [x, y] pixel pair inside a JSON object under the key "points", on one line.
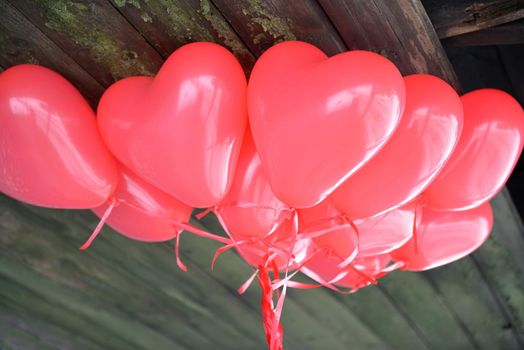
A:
{"points": [[77, 21], [279, 29], [146, 18], [122, 3], [223, 30], [178, 20]]}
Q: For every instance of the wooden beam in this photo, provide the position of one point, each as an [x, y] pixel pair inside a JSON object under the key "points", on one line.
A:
{"points": [[452, 18], [22, 42], [95, 35], [501, 261], [399, 30], [261, 24], [472, 300], [168, 25], [506, 34], [142, 286], [430, 314]]}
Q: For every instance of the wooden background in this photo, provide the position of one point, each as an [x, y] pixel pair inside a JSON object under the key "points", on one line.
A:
{"points": [[122, 294]]}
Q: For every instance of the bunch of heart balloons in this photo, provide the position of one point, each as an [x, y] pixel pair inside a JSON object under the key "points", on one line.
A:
{"points": [[337, 167]]}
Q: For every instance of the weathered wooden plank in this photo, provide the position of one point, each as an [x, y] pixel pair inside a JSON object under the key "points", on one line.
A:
{"points": [[502, 263], [168, 25], [22, 42], [261, 24], [96, 307], [509, 229], [25, 302], [415, 296], [202, 250], [458, 17], [334, 314], [148, 282], [382, 316], [507, 34], [473, 302], [398, 30], [19, 331], [95, 35], [132, 283]]}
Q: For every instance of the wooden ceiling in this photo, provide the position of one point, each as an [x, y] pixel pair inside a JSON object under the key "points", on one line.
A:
{"points": [[122, 294]]}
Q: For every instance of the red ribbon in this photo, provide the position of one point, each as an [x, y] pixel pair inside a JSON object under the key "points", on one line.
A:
{"points": [[113, 202], [179, 262], [269, 315]]}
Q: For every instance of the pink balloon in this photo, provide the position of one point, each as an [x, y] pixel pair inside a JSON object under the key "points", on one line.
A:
{"points": [[316, 120], [250, 209], [182, 130], [384, 233], [51, 154], [362, 272], [443, 237], [256, 253], [145, 213], [339, 237], [410, 161], [489, 147]]}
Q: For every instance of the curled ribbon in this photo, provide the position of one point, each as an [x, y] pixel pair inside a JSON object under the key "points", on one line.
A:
{"points": [[113, 202]]}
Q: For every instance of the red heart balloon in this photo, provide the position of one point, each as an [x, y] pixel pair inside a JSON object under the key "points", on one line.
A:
{"points": [[412, 158], [250, 208], [182, 130], [144, 213], [51, 154], [316, 120], [384, 233], [442, 237], [338, 236], [487, 151]]}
